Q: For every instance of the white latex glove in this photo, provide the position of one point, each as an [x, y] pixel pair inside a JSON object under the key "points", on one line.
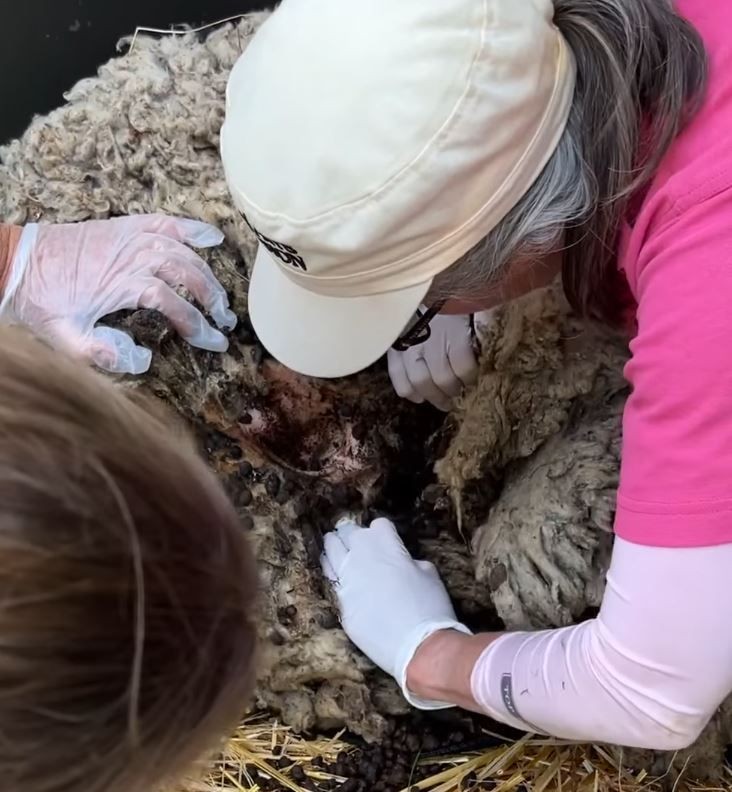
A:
{"points": [[437, 370], [389, 602], [65, 278]]}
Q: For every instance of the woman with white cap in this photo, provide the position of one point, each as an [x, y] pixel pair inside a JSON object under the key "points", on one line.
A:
{"points": [[456, 153]]}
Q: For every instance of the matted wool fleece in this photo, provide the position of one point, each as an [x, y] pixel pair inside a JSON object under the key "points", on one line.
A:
{"points": [[519, 510]]}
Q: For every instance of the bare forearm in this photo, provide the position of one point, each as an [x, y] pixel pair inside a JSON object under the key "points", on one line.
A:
{"points": [[442, 667], [9, 238]]}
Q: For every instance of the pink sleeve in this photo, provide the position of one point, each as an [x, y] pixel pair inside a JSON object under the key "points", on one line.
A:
{"points": [[676, 475], [649, 672]]}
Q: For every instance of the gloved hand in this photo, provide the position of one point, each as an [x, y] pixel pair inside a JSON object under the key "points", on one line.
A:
{"points": [[389, 602], [437, 370], [64, 278]]}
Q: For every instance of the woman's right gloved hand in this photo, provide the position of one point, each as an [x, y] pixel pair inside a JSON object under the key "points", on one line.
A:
{"points": [[439, 369], [65, 278]]}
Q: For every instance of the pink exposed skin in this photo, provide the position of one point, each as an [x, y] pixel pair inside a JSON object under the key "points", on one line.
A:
{"points": [[298, 425]]}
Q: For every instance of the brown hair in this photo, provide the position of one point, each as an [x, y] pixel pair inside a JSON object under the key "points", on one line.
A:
{"points": [[641, 73], [127, 585]]}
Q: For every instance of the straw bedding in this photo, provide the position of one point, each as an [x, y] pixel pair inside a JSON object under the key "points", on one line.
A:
{"points": [[516, 512]]}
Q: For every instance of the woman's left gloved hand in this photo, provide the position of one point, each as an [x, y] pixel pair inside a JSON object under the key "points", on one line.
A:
{"points": [[440, 368], [64, 278], [389, 603]]}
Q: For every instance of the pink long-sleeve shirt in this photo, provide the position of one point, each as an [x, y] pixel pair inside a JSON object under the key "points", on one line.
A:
{"points": [[656, 663], [676, 474]]}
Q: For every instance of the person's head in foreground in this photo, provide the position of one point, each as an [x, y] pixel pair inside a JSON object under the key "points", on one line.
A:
{"points": [[449, 154], [127, 586]]}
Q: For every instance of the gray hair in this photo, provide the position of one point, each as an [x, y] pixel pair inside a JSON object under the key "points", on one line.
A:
{"points": [[641, 70]]}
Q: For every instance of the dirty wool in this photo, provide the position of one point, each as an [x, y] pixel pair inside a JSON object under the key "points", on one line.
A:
{"points": [[511, 495]]}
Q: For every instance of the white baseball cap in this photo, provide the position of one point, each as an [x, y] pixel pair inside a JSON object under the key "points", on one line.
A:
{"points": [[369, 145]]}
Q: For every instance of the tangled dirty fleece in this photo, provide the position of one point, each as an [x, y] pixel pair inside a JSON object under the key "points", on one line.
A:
{"points": [[518, 511]]}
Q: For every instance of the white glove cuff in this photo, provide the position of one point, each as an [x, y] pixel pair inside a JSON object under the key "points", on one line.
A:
{"points": [[18, 267], [407, 651]]}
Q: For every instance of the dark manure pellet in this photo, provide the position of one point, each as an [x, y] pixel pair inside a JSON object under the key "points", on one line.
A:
{"points": [[339, 495], [287, 614], [277, 638], [370, 774], [247, 522], [412, 743], [244, 497], [257, 355], [355, 497], [272, 485], [430, 743], [328, 620], [246, 419], [216, 441], [245, 333], [433, 493], [359, 432], [430, 530], [297, 774], [245, 469], [282, 497]]}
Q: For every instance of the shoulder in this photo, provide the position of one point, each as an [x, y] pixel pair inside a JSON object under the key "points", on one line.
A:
{"points": [[682, 232]]}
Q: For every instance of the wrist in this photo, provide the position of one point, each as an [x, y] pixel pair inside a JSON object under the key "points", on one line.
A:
{"points": [[442, 667], [9, 239]]}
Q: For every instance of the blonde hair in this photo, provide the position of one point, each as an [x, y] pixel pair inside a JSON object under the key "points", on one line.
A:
{"points": [[127, 585]]}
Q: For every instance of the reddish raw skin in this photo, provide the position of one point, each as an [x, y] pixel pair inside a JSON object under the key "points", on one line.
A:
{"points": [[300, 421]]}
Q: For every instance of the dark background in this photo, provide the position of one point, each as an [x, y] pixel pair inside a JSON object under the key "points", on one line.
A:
{"points": [[47, 45]]}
